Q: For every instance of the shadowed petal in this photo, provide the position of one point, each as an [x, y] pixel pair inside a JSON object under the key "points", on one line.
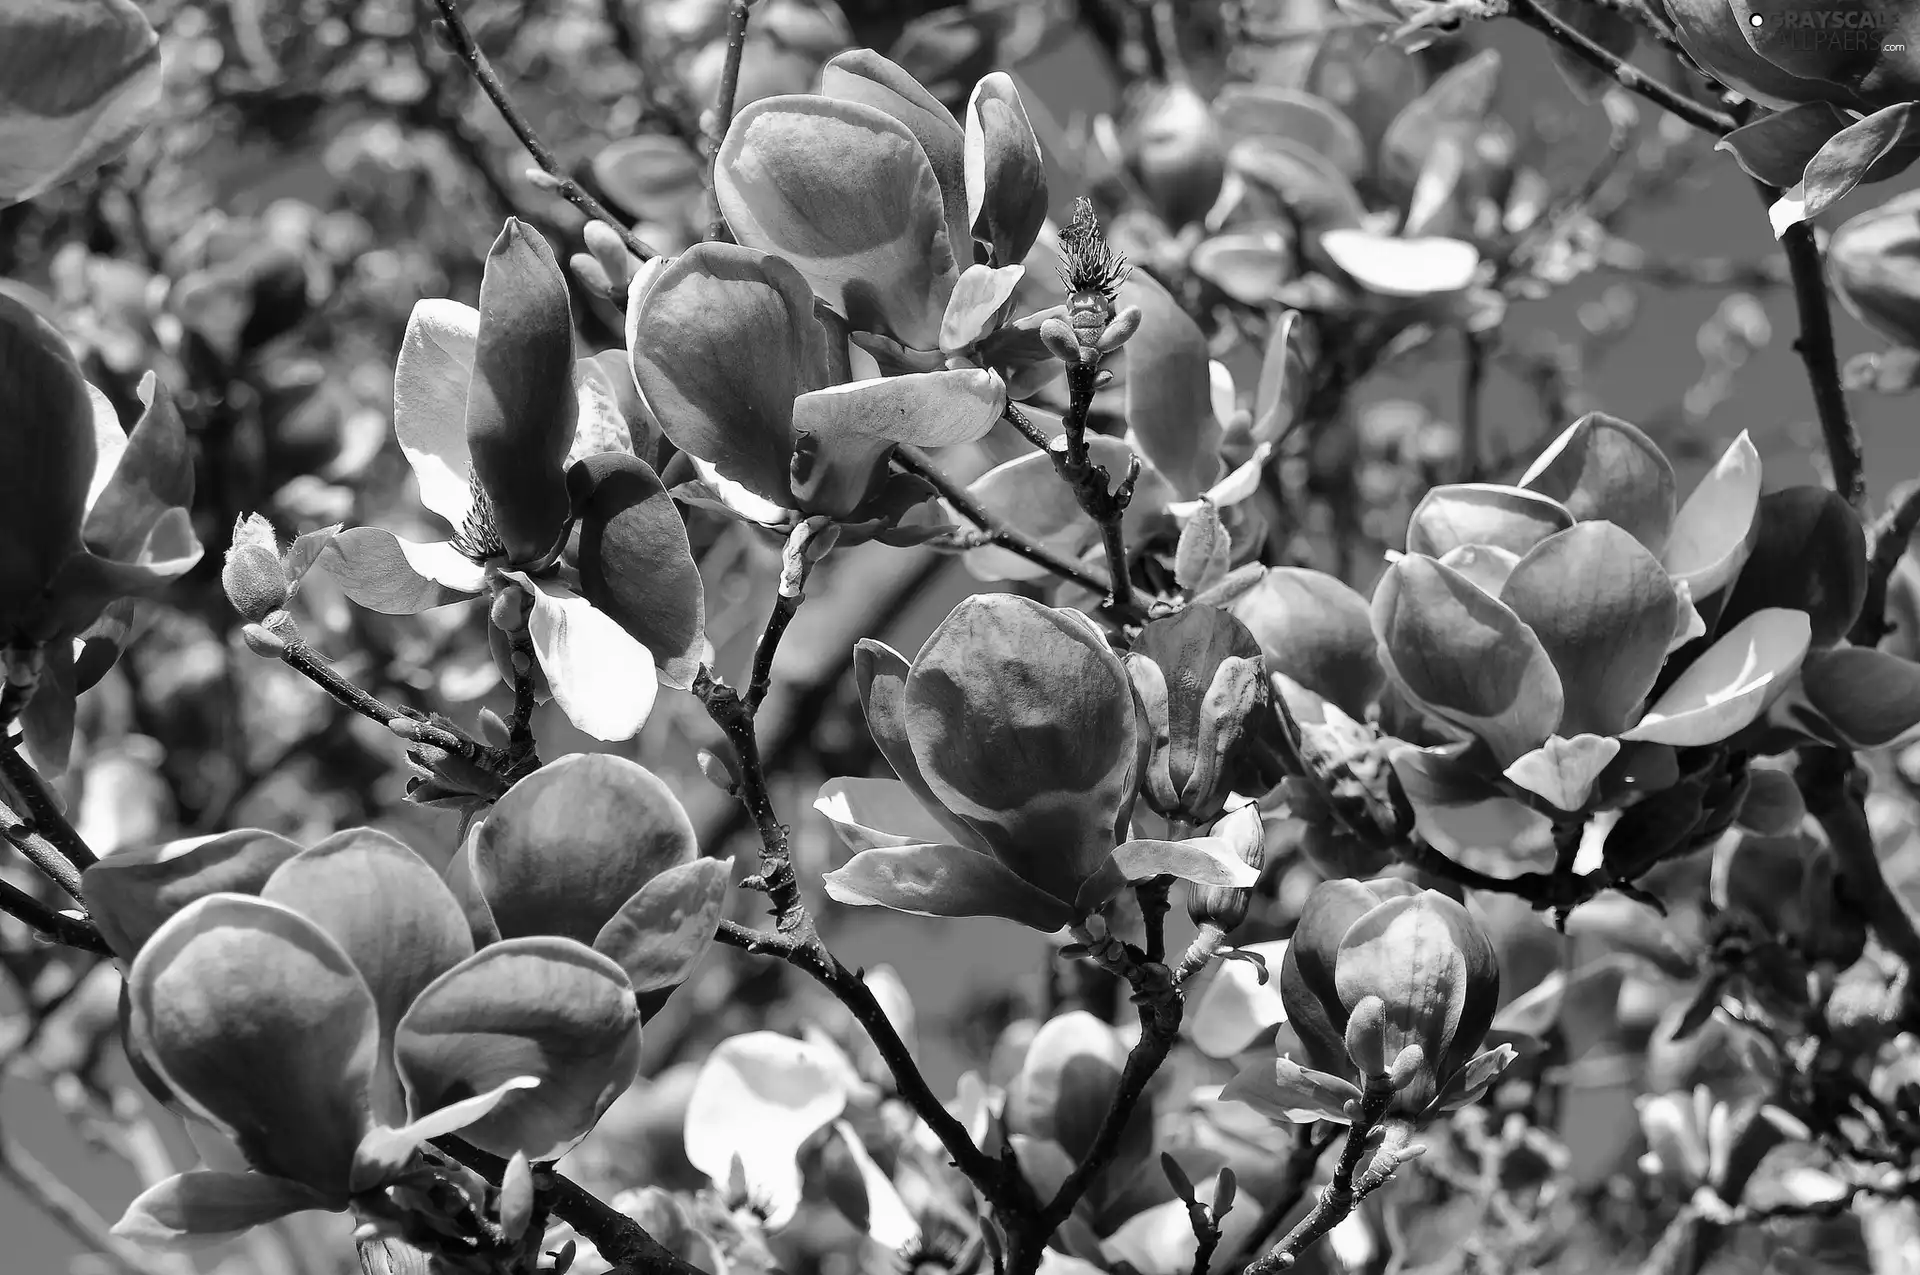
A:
{"points": [[880, 674], [1006, 178], [194, 1210], [46, 455], [938, 879], [151, 477], [1509, 518], [868, 813], [384, 573], [1239, 1004], [1602, 467], [1166, 369], [661, 933], [856, 424], [1067, 1082], [543, 1007], [251, 1013], [863, 76], [1809, 553], [132, 893], [1710, 541], [1281, 1089], [636, 565], [1313, 628]]}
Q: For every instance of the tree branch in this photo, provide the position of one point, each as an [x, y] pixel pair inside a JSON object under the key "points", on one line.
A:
{"points": [[1298, 1172], [1350, 1184], [1815, 347], [55, 927], [1625, 74], [1834, 789], [43, 813], [914, 461], [732, 714], [462, 41], [723, 109]]}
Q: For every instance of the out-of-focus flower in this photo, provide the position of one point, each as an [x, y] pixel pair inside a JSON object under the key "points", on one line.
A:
{"points": [[1873, 261], [79, 79], [1019, 749], [1173, 147], [488, 405], [1386, 986], [758, 1100], [340, 1016], [1057, 1102]]}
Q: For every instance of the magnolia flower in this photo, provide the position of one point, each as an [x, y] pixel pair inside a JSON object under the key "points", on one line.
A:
{"points": [[89, 516], [1874, 262], [1200, 682], [1537, 620], [78, 81], [1059, 1098], [1019, 752], [331, 1013], [488, 406], [1385, 985], [758, 1099], [742, 374], [907, 224]]}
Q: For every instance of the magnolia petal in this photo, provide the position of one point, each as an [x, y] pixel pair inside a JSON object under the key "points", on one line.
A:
{"points": [[1465, 656], [1810, 554], [430, 382], [394, 918], [386, 1150], [1027, 493], [940, 879], [879, 1211], [1605, 612], [1389, 266], [1564, 771], [132, 893], [1169, 386], [1022, 722], [1240, 1003], [757, 1100], [152, 476], [733, 499], [378, 570], [1869, 697], [601, 677], [1281, 1089], [1730, 684], [1487, 566], [1314, 629], [1471, 1082], [1006, 178], [1407, 953], [1066, 1083], [1248, 265], [1312, 188], [1870, 149], [1268, 110], [1283, 381], [661, 933], [977, 300], [635, 562], [1459, 514], [197, 1209], [1709, 541], [543, 1007], [880, 674], [846, 193], [1211, 861], [1602, 467], [690, 335], [861, 75], [81, 84], [855, 424], [870, 813], [252, 1014], [571, 844], [46, 455]]}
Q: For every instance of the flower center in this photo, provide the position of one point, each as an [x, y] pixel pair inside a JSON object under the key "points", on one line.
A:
{"points": [[478, 538]]}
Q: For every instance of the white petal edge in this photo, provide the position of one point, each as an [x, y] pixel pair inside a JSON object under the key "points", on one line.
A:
{"points": [[1730, 685], [430, 383], [1704, 548], [602, 678], [440, 562]]}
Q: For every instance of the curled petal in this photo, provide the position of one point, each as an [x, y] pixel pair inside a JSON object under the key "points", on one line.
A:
{"points": [[251, 1013], [939, 879], [1730, 685], [570, 844], [1465, 656], [977, 302], [757, 1100], [1809, 553], [543, 1007], [1602, 467], [132, 893], [846, 193], [1509, 518], [880, 673], [1006, 178], [716, 311], [152, 476], [204, 1207], [601, 677], [430, 384], [521, 407], [1710, 538], [868, 813], [635, 562], [1281, 1089], [1202, 860]]}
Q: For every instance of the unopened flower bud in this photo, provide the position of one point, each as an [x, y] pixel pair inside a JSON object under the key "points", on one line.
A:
{"points": [[509, 613], [610, 252], [516, 1196], [1125, 323], [1226, 906], [1874, 263], [253, 577], [263, 642], [1060, 338], [1406, 1067], [1366, 1038]]}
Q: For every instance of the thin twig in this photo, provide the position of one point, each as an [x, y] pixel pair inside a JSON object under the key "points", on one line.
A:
{"points": [[619, 1239], [914, 461], [1295, 1176], [1625, 74], [43, 811], [462, 41], [55, 927], [1834, 789], [723, 110], [39, 851], [1815, 347], [731, 713], [34, 1181], [1887, 540], [761, 679], [310, 664], [1349, 1186]]}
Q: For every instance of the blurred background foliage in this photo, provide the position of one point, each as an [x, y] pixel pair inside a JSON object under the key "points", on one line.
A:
{"points": [[317, 166]]}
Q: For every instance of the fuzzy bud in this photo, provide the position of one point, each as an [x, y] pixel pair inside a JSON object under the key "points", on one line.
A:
{"points": [[1226, 906], [253, 577], [1366, 1038], [516, 1196]]}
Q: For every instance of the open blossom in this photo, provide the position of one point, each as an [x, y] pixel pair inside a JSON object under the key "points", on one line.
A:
{"points": [[1555, 626], [1384, 984], [1017, 742], [490, 407]]}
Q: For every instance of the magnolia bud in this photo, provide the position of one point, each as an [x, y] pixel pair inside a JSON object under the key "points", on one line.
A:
{"points": [[516, 1196], [1225, 906], [253, 577], [610, 252], [1873, 261], [1124, 324], [1366, 1037], [509, 611], [1060, 338], [1174, 148], [1200, 678]]}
